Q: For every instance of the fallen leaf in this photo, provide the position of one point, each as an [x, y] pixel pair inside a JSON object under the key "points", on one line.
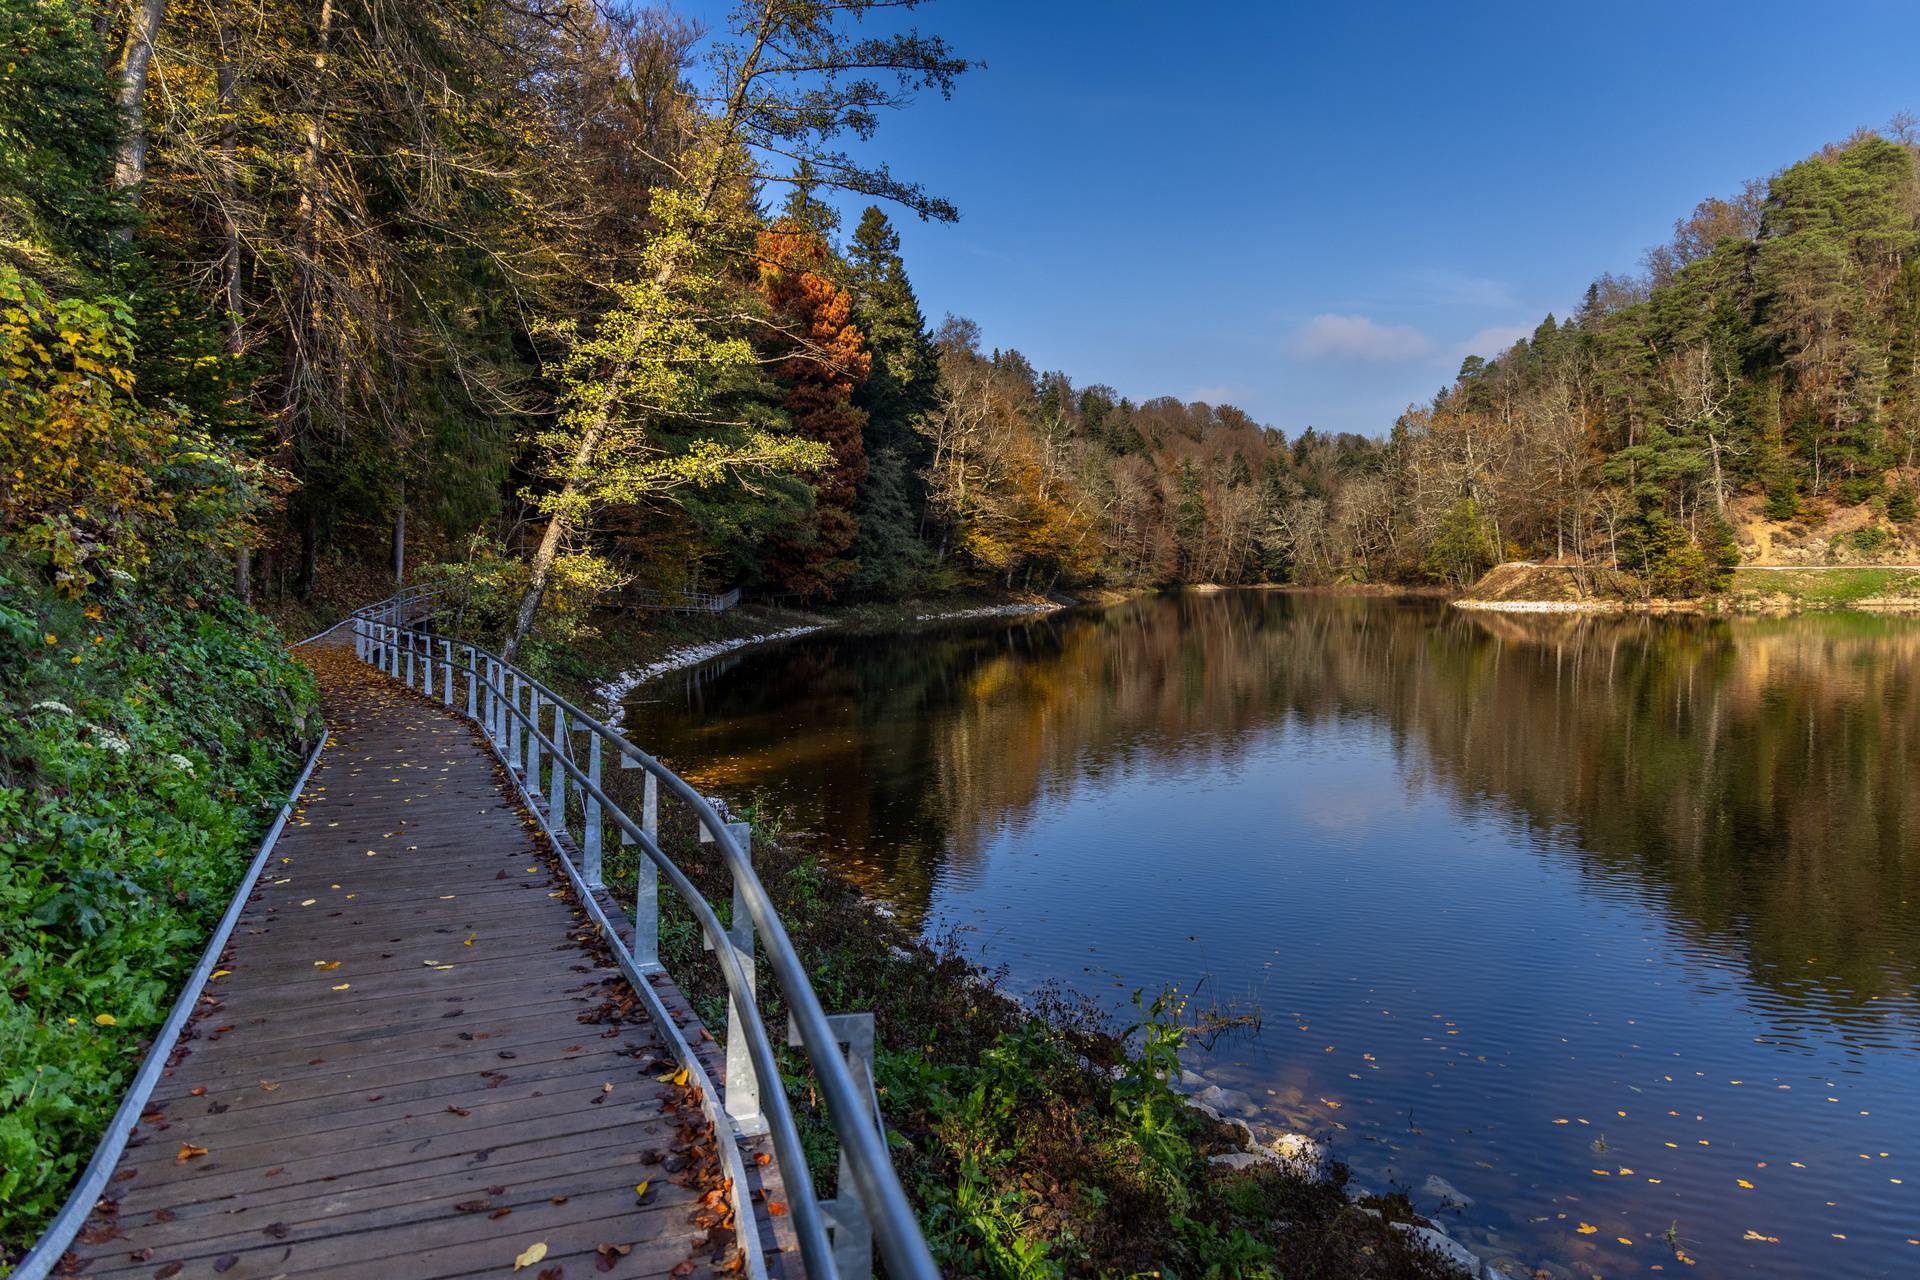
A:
{"points": [[459, 1111], [343, 986], [168, 1271], [640, 1188], [1587, 1228], [225, 1263], [105, 1020], [268, 1086], [326, 964], [501, 1212], [218, 973], [610, 1255], [530, 1255], [188, 1151]]}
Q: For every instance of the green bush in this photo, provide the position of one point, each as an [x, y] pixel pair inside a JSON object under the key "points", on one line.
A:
{"points": [[143, 748], [1902, 505]]}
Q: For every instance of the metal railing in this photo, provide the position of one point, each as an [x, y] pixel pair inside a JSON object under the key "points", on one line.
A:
{"points": [[677, 601], [531, 728]]}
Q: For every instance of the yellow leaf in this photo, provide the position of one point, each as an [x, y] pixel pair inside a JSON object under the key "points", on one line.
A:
{"points": [[343, 986], [326, 964], [640, 1188], [188, 1151], [219, 973], [1743, 1182], [470, 938], [1587, 1228], [105, 1020], [532, 1254]]}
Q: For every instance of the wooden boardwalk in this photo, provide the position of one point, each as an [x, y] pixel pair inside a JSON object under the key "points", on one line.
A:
{"points": [[411, 1062]]}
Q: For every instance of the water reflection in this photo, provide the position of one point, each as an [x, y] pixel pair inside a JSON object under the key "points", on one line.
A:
{"points": [[1491, 878]]}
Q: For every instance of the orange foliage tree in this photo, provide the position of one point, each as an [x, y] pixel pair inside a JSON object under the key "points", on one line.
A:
{"points": [[825, 358]]}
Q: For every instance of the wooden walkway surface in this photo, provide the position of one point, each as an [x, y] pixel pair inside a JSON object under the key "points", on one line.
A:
{"points": [[411, 1062]]}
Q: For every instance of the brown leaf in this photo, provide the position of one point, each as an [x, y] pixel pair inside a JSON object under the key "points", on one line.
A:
{"points": [[188, 1152], [553, 1272], [459, 1111], [501, 1212], [610, 1255], [278, 1230], [168, 1271], [683, 1270], [473, 1206], [226, 1262]]}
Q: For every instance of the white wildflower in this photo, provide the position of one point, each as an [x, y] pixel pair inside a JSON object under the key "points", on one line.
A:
{"points": [[180, 762], [119, 575], [111, 741], [50, 705]]}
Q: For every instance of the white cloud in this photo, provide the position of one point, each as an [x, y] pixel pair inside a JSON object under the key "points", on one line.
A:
{"points": [[1354, 337], [1492, 341]]}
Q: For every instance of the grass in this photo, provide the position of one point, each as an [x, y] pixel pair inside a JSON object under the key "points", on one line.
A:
{"points": [[143, 747], [1836, 588]]}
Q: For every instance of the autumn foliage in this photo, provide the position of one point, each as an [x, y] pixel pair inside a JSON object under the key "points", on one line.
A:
{"points": [[824, 360]]}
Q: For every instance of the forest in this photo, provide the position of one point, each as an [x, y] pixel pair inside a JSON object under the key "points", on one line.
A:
{"points": [[567, 287]]}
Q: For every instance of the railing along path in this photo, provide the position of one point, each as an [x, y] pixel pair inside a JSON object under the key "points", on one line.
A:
{"points": [[536, 733]]}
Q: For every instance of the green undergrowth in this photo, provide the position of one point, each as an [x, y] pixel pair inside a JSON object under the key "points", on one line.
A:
{"points": [[1822, 588], [144, 747], [1036, 1139]]}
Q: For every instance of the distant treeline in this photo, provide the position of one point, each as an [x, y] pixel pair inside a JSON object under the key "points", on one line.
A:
{"points": [[565, 286]]}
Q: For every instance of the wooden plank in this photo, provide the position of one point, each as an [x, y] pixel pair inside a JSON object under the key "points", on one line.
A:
{"points": [[340, 1104]]}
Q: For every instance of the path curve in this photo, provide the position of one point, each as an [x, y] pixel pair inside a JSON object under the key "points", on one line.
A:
{"points": [[411, 1061]]}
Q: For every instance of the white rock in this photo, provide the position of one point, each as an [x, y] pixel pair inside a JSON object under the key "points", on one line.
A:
{"points": [[1458, 1254], [1449, 1196]]}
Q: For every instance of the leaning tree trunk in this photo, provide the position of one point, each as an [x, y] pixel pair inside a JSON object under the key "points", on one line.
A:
{"points": [[575, 481], [131, 67]]}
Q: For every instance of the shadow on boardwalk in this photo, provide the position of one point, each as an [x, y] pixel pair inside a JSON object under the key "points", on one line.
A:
{"points": [[410, 1062]]}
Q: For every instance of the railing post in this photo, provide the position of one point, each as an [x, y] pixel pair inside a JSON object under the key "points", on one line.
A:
{"points": [[848, 1222], [590, 811], [426, 669], [743, 1085], [646, 894], [557, 784], [473, 685], [531, 765], [412, 644], [512, 722], [446, 673]]}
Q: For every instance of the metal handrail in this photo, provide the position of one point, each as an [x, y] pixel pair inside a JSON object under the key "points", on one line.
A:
{"points": [[871, 1197]]}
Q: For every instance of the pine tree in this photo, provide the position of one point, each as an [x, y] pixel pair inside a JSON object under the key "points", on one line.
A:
{"points": [[902, 389]]}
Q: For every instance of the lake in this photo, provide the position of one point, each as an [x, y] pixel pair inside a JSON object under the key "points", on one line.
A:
{"points": [[1610, 923]]}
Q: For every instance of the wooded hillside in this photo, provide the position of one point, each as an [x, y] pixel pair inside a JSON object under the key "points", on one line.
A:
{"points": [[566, 288]]}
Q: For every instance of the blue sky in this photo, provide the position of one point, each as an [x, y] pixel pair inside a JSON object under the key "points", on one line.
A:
{"points": [[1314, 210]]}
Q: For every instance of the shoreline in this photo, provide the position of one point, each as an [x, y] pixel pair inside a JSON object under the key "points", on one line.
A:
{"points": [[1234, 1138]]}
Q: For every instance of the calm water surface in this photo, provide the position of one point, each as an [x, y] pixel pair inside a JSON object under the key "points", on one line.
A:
{"points": [[1610, 923]]}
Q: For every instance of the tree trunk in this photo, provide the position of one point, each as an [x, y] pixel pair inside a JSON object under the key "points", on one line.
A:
{"points": [[226, 86], [400, 537], [131, 67]]}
